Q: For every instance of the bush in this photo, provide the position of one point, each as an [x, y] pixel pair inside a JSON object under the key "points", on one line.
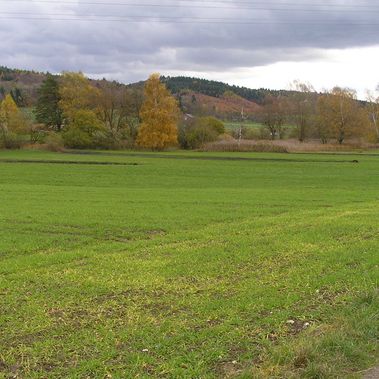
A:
{"points": [[199, 132], [213, 123], [54, 142], [37, 133], [198, 135], [85, 131], [11, 141]]}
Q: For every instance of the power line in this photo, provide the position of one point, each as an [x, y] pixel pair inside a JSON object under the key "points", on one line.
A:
{"points": [[205, 5], [188, 20], [146, 17], [168, 18]]}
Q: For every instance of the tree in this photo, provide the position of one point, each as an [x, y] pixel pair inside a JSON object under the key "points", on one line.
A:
{"points": [[18, 97], [12, 121], [322, 127], [8, 108], [339, 111], [48, 110], [372, 109], [159, 115], [76, 94], [302, 108], [118, 108], [272, 116], [111, 109]]}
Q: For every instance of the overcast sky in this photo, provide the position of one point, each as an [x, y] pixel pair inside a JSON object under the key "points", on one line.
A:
{"points": [[254, 43]]}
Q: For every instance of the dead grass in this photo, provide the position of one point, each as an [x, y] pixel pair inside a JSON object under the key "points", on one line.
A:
{"points": [[244, 146], [286, 146]]}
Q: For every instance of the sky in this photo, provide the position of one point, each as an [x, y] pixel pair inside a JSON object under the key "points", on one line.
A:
{"points": [[252, 43]]}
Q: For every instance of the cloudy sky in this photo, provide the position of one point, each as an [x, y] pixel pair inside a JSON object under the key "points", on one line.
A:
{"points": [[254, 43]]}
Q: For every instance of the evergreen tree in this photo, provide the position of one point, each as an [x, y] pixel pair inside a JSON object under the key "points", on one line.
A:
{"points": [[18, 97], [48, 110]]}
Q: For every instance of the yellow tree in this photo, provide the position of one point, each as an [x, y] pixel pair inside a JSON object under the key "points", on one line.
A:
{"points": [[76, 93], [12, 122], [8, 111], [159, 115], [8, 107]]}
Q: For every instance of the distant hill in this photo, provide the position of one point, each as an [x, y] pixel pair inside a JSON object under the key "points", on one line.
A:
{"points": [[229, 106], [218, 89], [21, 84], [196, 96]]}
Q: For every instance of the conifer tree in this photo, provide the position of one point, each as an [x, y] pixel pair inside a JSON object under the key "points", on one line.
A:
{"points": [[48, 110]]}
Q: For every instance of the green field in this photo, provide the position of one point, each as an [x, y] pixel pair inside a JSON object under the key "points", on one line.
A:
{"points": [[188, 265], [230, 125]]}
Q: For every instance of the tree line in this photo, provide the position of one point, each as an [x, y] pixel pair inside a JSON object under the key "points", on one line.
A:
{"points": [[335, 115], [74, 112]]}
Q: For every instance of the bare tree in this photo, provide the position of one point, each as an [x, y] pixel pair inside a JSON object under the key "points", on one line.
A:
{"points": [[272, 116], [119, 108], [372, 109], [302, 106]]}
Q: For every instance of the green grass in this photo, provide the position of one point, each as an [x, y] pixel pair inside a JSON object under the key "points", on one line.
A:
{"points": [[230, 125], [190, 267]]}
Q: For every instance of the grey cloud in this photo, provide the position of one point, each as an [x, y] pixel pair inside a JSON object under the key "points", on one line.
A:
{"points": [[129, 51]]}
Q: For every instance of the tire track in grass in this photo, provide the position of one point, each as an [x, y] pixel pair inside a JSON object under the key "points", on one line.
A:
{"points": [[43, 161], [209, 158]]}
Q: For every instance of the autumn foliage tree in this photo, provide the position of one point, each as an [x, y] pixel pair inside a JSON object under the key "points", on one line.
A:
{"points": [[339, 111], [85, 131], [159, 115], [76, 93], [13, 123]]}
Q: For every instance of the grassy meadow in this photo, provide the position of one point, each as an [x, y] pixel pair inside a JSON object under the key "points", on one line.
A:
{"points": [[231, 125], [188, 265]]}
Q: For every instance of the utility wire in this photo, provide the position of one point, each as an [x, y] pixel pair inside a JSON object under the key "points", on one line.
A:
{"points": [[206, 5], [174, 20], [168, 18]]}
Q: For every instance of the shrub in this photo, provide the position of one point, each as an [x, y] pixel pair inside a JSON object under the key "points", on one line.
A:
{"points": [[85, 131], [198, 135], [11, 141], [54, 142], [37, 133], [213, 123], [200, 131]]}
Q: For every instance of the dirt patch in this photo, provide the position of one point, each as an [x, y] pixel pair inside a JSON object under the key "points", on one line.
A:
{"points": [[296, 326], [372, 373], [229, 370]]}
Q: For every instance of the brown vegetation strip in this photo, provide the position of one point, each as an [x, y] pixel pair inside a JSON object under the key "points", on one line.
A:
{"points": [[68, 162], [209, 158]]}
